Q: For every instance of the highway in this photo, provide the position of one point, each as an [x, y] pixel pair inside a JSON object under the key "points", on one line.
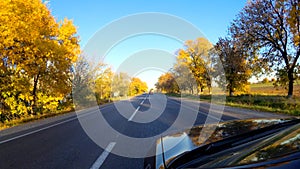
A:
{"points": [[61, 142]]}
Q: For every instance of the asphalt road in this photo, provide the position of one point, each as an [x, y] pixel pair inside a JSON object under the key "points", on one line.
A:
{"points": [[62, 142]]}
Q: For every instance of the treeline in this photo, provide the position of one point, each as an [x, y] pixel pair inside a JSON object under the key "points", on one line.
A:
{"points": [[98, 84], [264, 38], [41, 67]]}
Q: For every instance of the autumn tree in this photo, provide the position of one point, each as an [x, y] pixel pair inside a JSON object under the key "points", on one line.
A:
{"points": [[89, 80], [265, 80], [196, 57], [137, 86], [167, 83], [103, 84], [184, 76], [120, 84], [272, 28], [36, 55], [233, 62]]}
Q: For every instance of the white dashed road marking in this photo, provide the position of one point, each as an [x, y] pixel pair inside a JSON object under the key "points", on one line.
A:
{"points": [[137, 109], [100, 160]]}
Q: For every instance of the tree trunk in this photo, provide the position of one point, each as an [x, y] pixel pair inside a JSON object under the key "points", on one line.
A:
{"points": [[209, 90], [291, 83], [231, 91], [230, 87], [35, 83], [191, 89], [198, 91]]}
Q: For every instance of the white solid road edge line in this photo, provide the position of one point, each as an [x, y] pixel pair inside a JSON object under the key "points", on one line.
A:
{"points": [[35, 131], [100, 160], [208, 114], [47, 127]]}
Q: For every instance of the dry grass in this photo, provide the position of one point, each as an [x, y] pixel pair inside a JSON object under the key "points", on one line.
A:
{"points": [[262, 97], [269, 89], [27, 119]]}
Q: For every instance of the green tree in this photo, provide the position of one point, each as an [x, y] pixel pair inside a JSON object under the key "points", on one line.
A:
{"points": [[272, 28]]}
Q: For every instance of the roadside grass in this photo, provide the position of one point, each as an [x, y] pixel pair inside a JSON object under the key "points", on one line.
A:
{"points": [[268, 103], [276, 104], [31, 118]]}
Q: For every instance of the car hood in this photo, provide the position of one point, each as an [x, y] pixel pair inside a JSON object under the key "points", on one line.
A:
{"points": [[171, 146]]}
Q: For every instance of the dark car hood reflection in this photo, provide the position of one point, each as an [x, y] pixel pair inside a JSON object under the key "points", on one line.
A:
{"points": [[187, 140]]}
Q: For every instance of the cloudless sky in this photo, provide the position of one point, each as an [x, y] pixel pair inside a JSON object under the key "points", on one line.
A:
{"points": [[212, 17]]}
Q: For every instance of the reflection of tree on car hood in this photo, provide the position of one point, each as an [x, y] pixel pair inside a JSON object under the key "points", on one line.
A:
{"points": [[186, 146]]}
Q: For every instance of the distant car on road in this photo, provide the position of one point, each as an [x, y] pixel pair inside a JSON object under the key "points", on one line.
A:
{"points": [[255, 143]]}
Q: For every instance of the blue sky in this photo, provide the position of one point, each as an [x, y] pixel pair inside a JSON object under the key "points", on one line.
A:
{"points": [[211, 17]]}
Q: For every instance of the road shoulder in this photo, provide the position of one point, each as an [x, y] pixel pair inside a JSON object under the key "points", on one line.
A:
{"points": [[236, 112]]}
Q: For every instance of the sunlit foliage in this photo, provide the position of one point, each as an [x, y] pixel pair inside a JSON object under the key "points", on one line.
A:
{"points": [[36, 54], [137, 86], [271, 28]]}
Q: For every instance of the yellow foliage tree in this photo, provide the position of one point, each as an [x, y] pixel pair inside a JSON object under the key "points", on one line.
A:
{"points": [[167, 83], [103, 84], [36, 56], [196, 57], [183, 75], [137, 86]]}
